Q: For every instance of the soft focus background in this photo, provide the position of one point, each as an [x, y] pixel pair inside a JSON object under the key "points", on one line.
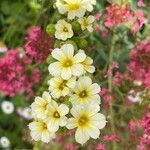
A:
{"points": [[121, 52]]}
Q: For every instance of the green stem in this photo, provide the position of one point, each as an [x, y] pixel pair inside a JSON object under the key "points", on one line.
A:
{"points": [[110, 87]]}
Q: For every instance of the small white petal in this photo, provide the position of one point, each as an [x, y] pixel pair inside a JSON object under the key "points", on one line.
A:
{"points": [[71, 123], [68, 50], [93, 132], [63, 109], [55, 69], [79, 57], [57, 54], [95, 88], [81, 136], [66, 73], [77, 70]]}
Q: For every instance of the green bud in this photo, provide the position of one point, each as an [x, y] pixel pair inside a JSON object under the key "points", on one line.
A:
{"points": [[76, 26], [50, 29], [50, 59], [58, 43], [82, 43]]}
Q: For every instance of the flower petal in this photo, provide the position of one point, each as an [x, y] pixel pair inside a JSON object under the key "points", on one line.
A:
{"points": [[79, 57], [58, 54], [71, 123], [99, 120], [93, 132], [46, 96], [63, 109], [68, 50], [55, 69], [81, 136], [66, 73], [77, 70], [95, 88]]}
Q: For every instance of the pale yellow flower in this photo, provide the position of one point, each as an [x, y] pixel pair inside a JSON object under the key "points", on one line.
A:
{"points": [[75, 8], [68, 64], [56, 116], [40, 131], [63, 30], [85, 92], [88, 122], [87, 23], [39, 107], [60, 87]]}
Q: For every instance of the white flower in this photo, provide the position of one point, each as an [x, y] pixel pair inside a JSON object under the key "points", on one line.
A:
{"points": [[40, 106], [134, 96], [75, 8], [87, 120], [3, 47], [60, 87], [63, 30], [85, 92], [4, 142], [67, 64], [25, 112], [87, 64], [40, 131], [87, 23], [56, 116], [7, 107]]}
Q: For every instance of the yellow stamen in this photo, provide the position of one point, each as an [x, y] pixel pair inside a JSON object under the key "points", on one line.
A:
{"points": [[56, 114]]}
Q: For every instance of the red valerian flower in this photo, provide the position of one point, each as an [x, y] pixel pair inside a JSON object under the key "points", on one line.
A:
{"points": [[39, 44], [13, 76], [140, 60]]}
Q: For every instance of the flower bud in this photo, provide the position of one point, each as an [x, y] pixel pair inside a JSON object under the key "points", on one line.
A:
{"points": [[76, 26], [50, 29]]}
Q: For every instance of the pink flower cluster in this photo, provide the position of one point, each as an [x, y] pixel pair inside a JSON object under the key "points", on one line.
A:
{"points": [[111, 138], [13, 77], [39, 44], [107, 96], [140, 61], [145, 123], [117, 15]]}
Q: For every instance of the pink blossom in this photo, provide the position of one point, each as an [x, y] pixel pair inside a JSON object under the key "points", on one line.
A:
{"points": [[117, 78], [139, 60], [13, 76], [98, 16], [138, 21], [71, 147], [115, 64], [100, 147], [141, 3], [111, 138], [39, 44], [117, 15], [104, 91], [133, 126]]}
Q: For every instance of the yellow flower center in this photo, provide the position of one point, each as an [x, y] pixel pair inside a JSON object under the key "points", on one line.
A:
{"points": [[62, 85], [45, 105], [85, 23], [56, 114], [65, 29], [83, 120], [43, 126], [68, 63], [83, 94], [7, 107], [73, 6]]}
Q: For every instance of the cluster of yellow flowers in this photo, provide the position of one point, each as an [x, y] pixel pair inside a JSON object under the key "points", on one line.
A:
{"points": [[69, 80]]}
